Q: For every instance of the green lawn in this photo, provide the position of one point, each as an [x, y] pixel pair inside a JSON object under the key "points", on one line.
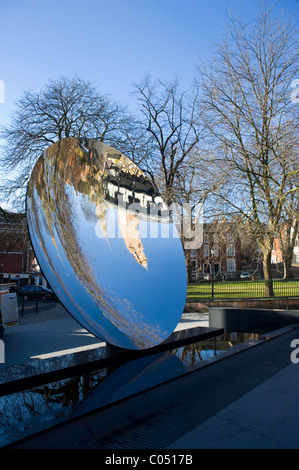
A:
{"points": [[241, 289]]}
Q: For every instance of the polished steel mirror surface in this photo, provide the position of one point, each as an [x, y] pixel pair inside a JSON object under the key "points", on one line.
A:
{"points": [[105, 243]]}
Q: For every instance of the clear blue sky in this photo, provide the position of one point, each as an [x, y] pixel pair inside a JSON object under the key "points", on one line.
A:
{"points": [[111, 42]]}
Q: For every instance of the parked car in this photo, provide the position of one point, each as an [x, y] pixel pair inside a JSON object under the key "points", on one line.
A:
{"points": [[245, 275], [36, 292], [208, 277], [13, 288]]}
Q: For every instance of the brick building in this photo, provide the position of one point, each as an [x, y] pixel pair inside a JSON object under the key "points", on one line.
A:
{"points": [[220, 253], [276, 256], [16, 254]]}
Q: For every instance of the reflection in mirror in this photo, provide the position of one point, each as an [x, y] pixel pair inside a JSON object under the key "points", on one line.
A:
{"points": [[106, 244]]}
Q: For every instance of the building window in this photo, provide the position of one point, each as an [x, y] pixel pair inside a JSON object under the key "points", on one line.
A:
{"points": [[206, 251], [216, 250], [230, 237], [205, 238], [231, 249], [231, 265], [216, 239]]}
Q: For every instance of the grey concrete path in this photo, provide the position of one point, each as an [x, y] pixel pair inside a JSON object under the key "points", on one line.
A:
{"points": [[53, 332], [265, 418]]}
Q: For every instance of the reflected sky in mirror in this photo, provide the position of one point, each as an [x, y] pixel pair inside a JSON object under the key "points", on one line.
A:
{"points": [[104, 241]]}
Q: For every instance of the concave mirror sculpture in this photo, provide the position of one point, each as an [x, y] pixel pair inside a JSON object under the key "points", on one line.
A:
{"points": [[105, 243]]}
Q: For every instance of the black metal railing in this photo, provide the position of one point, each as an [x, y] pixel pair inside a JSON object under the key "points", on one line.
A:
{"points": [[239, 289]]}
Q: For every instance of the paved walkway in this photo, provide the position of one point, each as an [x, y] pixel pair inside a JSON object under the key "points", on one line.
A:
{"points": [[265, 418], [53, 332]]}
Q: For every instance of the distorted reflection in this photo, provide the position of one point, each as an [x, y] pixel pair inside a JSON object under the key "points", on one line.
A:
{"points": [[93, 218]]}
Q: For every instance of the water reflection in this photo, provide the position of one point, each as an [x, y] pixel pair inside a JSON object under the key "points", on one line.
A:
{"points": [[28, 412], [98, 229], [195, 353], [32, 410]]}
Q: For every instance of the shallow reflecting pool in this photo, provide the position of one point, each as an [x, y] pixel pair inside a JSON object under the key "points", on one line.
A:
{"points": [[31, 410]]}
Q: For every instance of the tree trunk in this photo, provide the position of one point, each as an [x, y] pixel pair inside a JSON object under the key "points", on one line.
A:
{"points": [[287, 242], [287, 268], [269, 292], [189, 264]]}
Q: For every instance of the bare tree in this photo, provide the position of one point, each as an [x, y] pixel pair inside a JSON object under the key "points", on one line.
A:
{"points": [[171, 120], [288, 229], [192, 191], [251, 120], [66, 107]]}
